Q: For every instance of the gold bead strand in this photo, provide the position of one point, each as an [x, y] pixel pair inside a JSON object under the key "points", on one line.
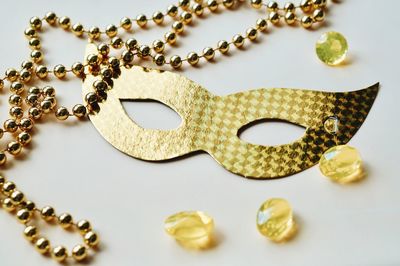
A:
{"points": [[15, 200]]}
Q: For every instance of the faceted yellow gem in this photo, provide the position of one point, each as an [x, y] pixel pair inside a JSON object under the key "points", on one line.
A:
{"points": [[192, 229], [342, 164], [275, 220], [332, 48]]}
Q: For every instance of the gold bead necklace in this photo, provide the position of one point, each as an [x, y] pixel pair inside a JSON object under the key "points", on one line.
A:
{"points": [[29, 105]]}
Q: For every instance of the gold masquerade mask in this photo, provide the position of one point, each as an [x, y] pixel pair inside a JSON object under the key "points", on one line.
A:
{"points": [[211, 123]]}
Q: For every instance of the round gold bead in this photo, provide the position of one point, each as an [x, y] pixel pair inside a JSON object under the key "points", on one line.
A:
{"points": [[36, 56], [8, 188], [91, 98], [46, 106], [290, 18], [3, 158], [14, 148], [59, 253], [256, 3], [28, 65], [274, 17], [51, 18], [111, 30], [17, 87], [10, 125], [60, 71], [158, 46], [228, 3], [1, 84], [186, 17], [208, 53], [65, 220], [26, 124], [78, 69], [193, 58], [91, 239], [24, 216], [126, 23], [16, 112], [36, 23], [159, 59], [252, 34], [15, 100], [184, 4], [78, 29], [34, 43], [2, 180], [25, 75], [24, 138], [170, 37], [144, 51], [272, 6], [79, 253], [319, 3], [17, 197], [64, 22], [306, 5], [29, 205], [47, 213], [306, 22], [131, 44], [198, 9], [30, 33], [117, 42], [32, 99], [223, 47], [127, 57], [158, 17], [30, 232], [62, 113], [12, 74], [141, 20], [178, 27], [238, 40], [212, 5], [49, 91], [35, 113], [41, 72], [172, 11], [8, 205], [79, 110], [42, 245], [319, 15], [94, 33], [261, 24], [175, 61], [84, 226], [289, 7]]}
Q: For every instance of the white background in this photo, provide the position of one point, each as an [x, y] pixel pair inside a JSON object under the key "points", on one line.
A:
{"points": [[70, 166]]}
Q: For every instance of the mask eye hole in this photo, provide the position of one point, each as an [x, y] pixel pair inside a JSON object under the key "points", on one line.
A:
{"points": [[152, 114], [270, 132]]}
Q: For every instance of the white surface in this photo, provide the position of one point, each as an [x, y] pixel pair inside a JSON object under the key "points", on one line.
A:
{"points": [[71, 167]]}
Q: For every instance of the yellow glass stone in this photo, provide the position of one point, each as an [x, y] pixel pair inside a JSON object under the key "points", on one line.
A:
{"points": [[275, 220], [192, 229], [341, 164], [332, 48]]}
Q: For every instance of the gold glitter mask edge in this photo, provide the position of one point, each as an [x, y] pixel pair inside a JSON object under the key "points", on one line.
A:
{"points": [[211, 123]]}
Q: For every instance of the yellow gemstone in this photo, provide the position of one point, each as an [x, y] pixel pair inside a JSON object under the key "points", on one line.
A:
{"points": [[192, 229], [275, 220], [342, 164], [332, 48]]}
